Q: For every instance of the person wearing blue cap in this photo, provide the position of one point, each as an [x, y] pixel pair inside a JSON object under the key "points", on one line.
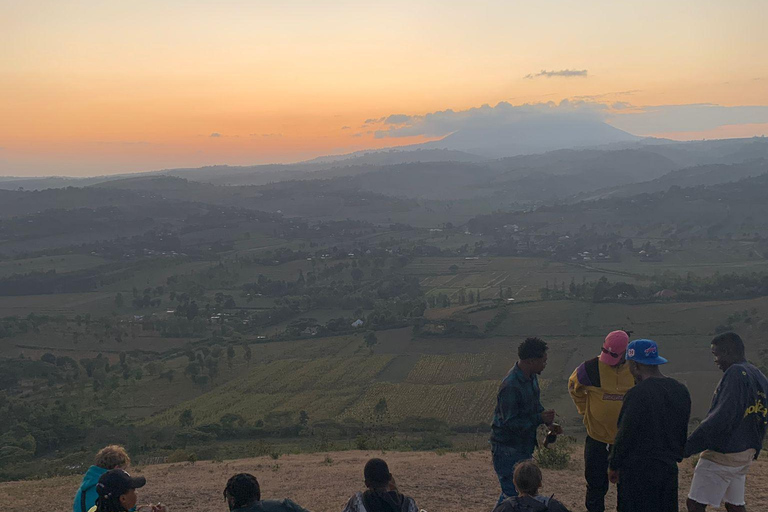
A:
{"points": [[653, 428]]}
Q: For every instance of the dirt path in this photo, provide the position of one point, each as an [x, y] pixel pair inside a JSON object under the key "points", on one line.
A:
{"points": [[440, 483]]}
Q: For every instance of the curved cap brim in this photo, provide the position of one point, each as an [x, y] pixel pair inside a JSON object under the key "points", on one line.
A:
{"points": [[138, 482]]}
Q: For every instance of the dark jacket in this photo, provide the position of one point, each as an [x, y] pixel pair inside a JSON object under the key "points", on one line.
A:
{"points": [[272, 506], [380, 501], [518, 411], [736, 420], [85, 498], [653, 424], [530, 504]]}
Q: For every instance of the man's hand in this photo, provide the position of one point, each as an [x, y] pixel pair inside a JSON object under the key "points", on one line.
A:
{"points": [[557, 429], [548, 416], [159, 508], [613, 476]]}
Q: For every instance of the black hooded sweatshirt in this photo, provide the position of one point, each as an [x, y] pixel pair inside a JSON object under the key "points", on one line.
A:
{"points": [[385, 501]]}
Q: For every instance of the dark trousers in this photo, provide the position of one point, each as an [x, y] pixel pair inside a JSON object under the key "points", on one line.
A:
{"points": [[648, 485], [505, 458], [596, 474]]}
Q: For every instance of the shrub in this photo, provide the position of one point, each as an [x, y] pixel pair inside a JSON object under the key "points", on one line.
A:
{"points": [[208, 452], [187, 436], [180, 456], [362, 441], [557, 456], [258, 449], [431, 441]]}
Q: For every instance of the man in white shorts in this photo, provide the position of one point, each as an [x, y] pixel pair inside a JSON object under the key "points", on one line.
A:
{"points": [[731, 435]]}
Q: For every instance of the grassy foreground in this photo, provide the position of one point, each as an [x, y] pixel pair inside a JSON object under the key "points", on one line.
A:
{"points": [[321, 482]]}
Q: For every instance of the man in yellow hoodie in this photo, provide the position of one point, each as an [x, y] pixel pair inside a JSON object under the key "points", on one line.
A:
{"points": [[597, 387]]}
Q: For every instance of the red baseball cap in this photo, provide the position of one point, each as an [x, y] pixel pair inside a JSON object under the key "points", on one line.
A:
{"points": [[614, 347]]}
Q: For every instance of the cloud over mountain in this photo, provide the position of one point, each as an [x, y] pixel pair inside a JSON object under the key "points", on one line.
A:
{"points": [[436, 124], [638, 120]]}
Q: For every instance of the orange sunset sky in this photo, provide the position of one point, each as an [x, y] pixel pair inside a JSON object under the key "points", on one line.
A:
{"points": [[94, 87]]}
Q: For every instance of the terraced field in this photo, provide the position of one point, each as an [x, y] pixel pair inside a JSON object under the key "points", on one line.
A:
{"points": [[432, 369], [465, 403], [323, 387]]}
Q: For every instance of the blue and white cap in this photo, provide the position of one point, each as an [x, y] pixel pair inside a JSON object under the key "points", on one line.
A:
{"points": [[644, 352]]}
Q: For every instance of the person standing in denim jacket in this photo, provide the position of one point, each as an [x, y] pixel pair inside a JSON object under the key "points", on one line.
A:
{"points": [[519, 413]]}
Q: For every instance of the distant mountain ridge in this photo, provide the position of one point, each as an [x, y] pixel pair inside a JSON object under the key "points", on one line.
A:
{"points": [[421, 173], [532, 136]]}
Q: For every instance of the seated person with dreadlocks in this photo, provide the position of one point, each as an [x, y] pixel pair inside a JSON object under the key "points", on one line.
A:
{"points": [[382, 494], [243, 494], [117, 493], [528, 480]]}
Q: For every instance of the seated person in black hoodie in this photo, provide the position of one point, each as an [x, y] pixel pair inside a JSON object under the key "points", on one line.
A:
{"points": [[243, 494], [528, 480], [382, 494]]}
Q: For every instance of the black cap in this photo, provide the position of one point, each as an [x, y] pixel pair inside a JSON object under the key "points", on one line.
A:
{"points": [[117, 482]]}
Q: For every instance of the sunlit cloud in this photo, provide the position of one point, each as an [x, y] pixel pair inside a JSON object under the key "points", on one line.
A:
{"points": [[563, 73]]}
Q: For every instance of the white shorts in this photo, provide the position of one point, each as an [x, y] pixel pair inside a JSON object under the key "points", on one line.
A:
{"points": [[714, 483]]}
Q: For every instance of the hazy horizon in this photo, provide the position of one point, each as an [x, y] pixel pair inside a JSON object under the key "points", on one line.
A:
{"points": [[93, 88]]}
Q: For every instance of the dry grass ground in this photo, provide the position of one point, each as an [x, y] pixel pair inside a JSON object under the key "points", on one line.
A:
{"points": [[323, 482]]}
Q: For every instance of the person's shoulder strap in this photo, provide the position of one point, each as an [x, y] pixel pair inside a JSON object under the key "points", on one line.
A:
{"points": [[553, 505], [83, 506]]}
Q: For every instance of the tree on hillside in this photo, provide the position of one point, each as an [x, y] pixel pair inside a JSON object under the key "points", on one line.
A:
{"points": [[230, 355], [380, 410], [229, 420], [247, 353], [192, 370], [185, 418], [370, 339], [119, 301]]}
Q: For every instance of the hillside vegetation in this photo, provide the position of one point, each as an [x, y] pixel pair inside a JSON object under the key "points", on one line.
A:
{"points": [[373, 301]]}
